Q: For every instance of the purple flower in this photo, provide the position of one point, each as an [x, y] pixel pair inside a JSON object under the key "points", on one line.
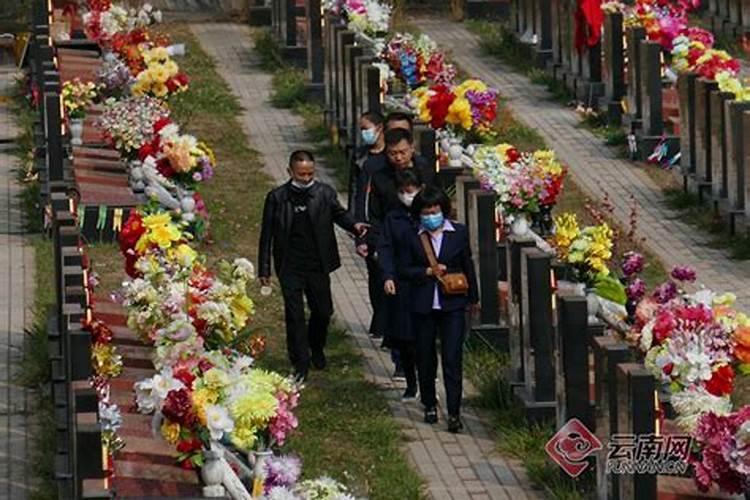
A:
{"points": [[665, 292], [636, 290], [208, 170], [683, 273], [197, 177], [633, 264], [282, 471]]}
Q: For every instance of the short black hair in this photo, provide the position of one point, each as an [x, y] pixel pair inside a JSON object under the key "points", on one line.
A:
{"points": [[300, 155], [398, 116], [429, 197], [374, 117], [408, 177], [396, 135]]}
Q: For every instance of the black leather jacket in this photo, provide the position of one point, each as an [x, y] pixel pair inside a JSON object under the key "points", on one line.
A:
{"points": [[324, 209]]}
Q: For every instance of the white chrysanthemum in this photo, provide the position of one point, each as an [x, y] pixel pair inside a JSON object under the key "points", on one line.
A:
{"points": [[690, 404], [151, 392], [244, 269], [281, 493], [218, 421]]}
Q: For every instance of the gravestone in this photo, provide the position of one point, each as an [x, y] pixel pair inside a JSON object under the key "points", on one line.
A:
{"points": [[566, 38], [745, 167], [745, 14], [538, 392], [515, 319], [636, 407], [734, 139], [344, 38], [718, 143], [572, 363], [555, 63], [651, 88], [352, 53], [734, 15], [686, 92], [484, 251], [703, 88], [464, 184], [591, 87], [543, 31], [53, 135], [608, 353], [315, 57], [613, 66], [374, 92], [290, 21], [634, 89]]}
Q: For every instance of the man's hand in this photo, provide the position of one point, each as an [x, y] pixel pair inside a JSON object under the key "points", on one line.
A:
{"points": [[362, 250], [361, 228], [390, 287], [473, 309], [264, 280]]}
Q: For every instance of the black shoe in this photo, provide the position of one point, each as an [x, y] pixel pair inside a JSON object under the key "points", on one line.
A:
{"points": [[398, 374], [410, 394], [454, 424], [319, 360], [430, 415], [376, 335]]}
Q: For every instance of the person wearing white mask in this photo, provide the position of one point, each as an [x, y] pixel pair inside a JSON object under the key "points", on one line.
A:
{"points": [[399, 228], [297, 231]]}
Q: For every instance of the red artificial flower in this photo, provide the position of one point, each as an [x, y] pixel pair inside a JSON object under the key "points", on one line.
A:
{"points": [[150, 148], [182, 79], [131, 231], [185, 377], [438, 105], [131, 258], [99, 4], [695, 314], [668, 368], [205, 365], [663, 326], [161, 123], [721, 382], [100, 331], [165, 168], [512, 155], [189, 445], [178, 407]]}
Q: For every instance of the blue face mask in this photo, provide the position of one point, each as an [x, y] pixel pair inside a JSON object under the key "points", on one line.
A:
{"points": [[432, 222], [369, 136]]}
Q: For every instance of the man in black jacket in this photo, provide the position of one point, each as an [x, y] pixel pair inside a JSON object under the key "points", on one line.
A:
{"points": [[298, 219]]}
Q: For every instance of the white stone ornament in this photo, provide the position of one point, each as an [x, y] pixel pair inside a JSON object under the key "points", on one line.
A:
{"points": [[187, 204]]}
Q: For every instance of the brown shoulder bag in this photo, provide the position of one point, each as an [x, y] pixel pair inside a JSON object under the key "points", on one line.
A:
{"points": [[451, 283]]}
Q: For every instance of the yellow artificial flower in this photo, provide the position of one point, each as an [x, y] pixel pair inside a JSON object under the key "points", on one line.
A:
{"points": [[566, 231], [244, 437], [242, 307], [160, 230], [459, 113], [170, 431], [158, 73], [179, 156], [201, 398], [160, 90], [171, 68], [155, 54], [216, 378], [183, 254], [473, 84]]}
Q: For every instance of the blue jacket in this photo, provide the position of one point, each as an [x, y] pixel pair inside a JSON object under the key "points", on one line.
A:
{"points": [[393, 254], [455, 254]]}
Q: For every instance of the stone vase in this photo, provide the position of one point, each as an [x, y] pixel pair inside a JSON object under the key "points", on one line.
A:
{"points": [[519, 226], [76, 131], [259, 459]]}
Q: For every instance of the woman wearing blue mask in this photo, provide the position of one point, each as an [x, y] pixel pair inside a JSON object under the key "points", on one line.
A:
{"points": [[436, 313], [371, 144]]}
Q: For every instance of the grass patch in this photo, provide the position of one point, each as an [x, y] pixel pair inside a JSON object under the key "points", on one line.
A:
{"points": [[268, 50], [486, 369], [314, 121], [497, 40], [288, 88], [345, 427]]}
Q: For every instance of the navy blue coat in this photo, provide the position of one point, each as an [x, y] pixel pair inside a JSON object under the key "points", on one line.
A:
{"points": [[455, 254], [393, 254]]}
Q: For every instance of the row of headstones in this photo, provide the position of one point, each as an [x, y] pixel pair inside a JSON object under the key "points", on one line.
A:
{"points": [[552, 344], [714, 130], [729, 17], [78, 444]]}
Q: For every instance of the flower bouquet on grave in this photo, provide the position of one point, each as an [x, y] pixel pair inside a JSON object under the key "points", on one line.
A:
{"points": [[281, 481], [104, 20], [114, 77], [417, 61], [728, 82], [587, 250], [77, 96], [129, 123], [161, 76], [467, 110], [369, 17]]}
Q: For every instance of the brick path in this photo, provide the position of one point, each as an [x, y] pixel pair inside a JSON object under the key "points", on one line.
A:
{"points": [[460, 466], [16, 300], [594, 166]]}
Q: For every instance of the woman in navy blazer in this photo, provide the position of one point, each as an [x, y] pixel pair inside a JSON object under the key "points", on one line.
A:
{"points": [[435, 313], [399, 228]]}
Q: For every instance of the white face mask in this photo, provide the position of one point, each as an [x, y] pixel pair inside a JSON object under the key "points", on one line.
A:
{"points": [[301, 185], [407, 198]]}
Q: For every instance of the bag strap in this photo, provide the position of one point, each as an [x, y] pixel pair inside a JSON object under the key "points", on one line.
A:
{"points": [[428, 250]]}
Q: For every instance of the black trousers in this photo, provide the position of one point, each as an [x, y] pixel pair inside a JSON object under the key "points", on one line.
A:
{"points": [[302, 338], [379, 322], [450, 326], [407, 358]]}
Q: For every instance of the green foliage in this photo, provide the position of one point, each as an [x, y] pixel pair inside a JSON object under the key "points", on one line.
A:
{"points": [[498, 40], [314, 120], [288, 88], [610, 288], [268, 50]]}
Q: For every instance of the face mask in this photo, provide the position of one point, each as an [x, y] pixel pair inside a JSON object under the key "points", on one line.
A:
{"points": [[369, 136], [432, 222], [303, 185], [407, 198]]}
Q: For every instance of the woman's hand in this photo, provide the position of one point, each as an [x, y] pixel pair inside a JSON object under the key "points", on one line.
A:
{"points": [[441, 270], [390, 287]]}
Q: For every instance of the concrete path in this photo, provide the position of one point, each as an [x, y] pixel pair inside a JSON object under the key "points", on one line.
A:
{"points": [[16, 300], [462, 466], [595, 167]]}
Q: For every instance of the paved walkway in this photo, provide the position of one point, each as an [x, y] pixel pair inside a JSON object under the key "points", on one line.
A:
{"points": [[595, 167], [460, 466], [16, 299]]}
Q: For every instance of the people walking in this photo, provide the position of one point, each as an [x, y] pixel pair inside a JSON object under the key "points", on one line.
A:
{"points": [[443, 286], [399, 229], [297, 232]]}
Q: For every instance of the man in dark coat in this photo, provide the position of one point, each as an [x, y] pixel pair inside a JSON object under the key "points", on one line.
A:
{"points": [[298, 219]]}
